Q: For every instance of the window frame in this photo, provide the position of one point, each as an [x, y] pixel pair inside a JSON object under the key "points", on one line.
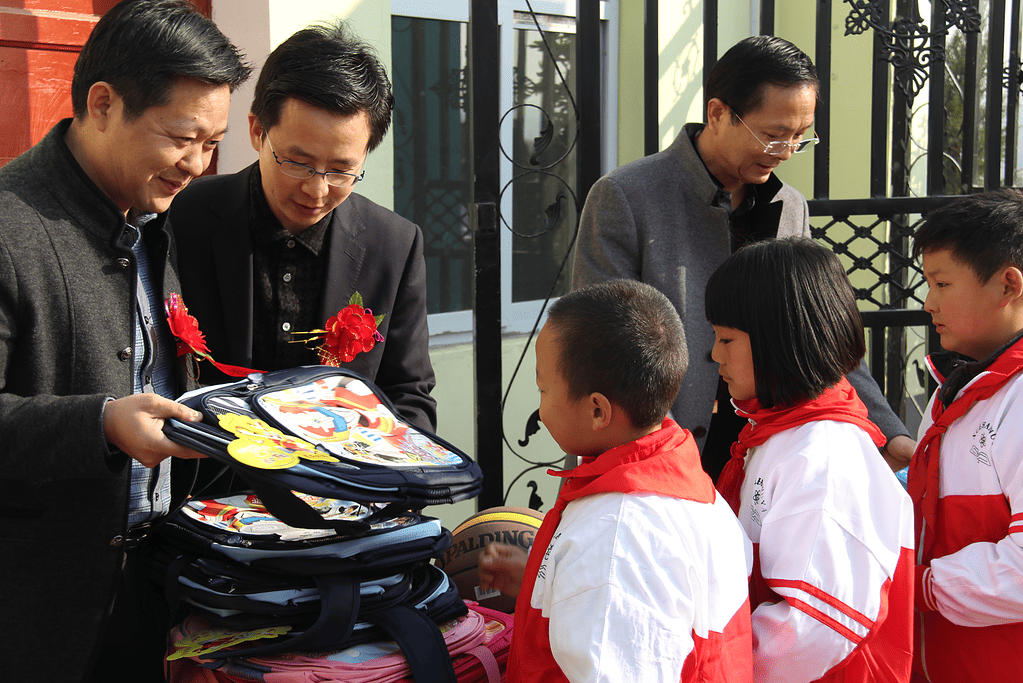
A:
{"points": [[455, 327]]}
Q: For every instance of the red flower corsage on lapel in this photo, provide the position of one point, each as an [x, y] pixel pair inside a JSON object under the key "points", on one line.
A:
{"points": [[350, 332], [185, 329]]}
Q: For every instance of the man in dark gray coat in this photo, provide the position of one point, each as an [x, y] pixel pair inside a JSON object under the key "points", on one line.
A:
{"points": [[672, 218], [87, 365]]}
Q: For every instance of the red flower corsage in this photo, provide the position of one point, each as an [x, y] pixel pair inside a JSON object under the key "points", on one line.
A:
{"points": [[347, 334], [190, 339]]}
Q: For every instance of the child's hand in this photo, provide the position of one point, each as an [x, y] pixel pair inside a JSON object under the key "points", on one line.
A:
{"points": [[501, 566]]}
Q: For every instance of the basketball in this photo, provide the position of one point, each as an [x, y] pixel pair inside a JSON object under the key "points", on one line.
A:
{"points": [[512, 525]]}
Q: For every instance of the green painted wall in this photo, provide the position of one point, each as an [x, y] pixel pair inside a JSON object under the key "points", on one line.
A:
{"points": [[454, 394]]}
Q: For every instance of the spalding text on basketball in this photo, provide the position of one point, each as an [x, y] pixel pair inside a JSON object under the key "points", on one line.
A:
{"points": [[520, 537]]}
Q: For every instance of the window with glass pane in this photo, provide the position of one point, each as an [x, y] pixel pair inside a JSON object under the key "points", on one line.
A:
{"points": [[430, 129], [544, 130]]}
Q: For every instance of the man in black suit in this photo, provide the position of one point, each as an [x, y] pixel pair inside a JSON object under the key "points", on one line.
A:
{"points": [[282, 245]]}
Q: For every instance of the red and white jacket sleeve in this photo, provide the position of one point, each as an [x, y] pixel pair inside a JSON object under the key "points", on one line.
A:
{"points": [[829, 523], [979, 583]]}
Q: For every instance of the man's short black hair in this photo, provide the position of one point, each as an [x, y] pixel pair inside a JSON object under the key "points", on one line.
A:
{"points": [[793, 299], [984, 231], [624, 339], [141, 46], [326, 66], [739, 77]]}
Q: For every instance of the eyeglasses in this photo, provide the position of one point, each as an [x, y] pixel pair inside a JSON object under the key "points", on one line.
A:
{"points": [[778, 147], [294, 169]]}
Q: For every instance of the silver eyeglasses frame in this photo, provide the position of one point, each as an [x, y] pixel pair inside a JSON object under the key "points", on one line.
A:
{"points": [[778, 147], [293, 169]]}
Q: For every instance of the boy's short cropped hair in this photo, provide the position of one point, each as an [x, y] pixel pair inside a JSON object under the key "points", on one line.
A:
{"points": [[793, 299], [141, 46], [983, 231], [623, 339]]}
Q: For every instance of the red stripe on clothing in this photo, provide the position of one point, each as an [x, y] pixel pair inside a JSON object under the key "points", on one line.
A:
{"points": [[825, 619], [823, 597], [723, 657], [979, 518], [929, 590]]}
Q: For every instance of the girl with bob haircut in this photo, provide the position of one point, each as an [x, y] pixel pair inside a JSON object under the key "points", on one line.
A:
{"points": [[832, 528]]}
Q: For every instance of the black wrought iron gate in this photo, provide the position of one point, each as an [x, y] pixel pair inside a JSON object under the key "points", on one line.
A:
{"points": [[962, 60]]}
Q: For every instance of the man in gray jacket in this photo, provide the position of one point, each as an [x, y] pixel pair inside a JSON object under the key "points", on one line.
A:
{"points": [[671, 218], [88, 368]]}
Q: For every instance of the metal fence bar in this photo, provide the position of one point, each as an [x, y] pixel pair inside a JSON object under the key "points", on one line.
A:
{"points": [[486, 311], [881, 207], [767, 17], [995, 69], [651, 77], [1012, 97], [900, 317], [969, 131], [936, 108], [822, 118], [710, 37], [589, 79], [879, 89]]}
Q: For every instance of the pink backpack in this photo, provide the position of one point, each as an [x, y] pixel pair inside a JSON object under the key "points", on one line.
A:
{"points": [[478, 644]]}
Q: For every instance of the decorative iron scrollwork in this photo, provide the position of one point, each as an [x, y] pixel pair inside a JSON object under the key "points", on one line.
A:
{"points": [[963, 15], [863, 16], [908, 45], [552, 214], [532, 427], [541, 168], [535, 501], [908, 48], [541, 142]]}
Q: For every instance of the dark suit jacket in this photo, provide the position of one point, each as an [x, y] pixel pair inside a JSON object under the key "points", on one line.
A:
{"points": [[373, 251]]}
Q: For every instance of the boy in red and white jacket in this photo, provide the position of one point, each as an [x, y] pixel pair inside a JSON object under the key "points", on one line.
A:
{"points": [[966, 477], [639, 572]]}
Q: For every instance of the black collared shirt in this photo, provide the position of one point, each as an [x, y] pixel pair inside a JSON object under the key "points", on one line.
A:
{"points": [[289, 273], [743, 218]]}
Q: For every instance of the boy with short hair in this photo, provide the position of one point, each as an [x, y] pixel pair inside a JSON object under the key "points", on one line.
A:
{"points": [[639, 572], [966, 479]]}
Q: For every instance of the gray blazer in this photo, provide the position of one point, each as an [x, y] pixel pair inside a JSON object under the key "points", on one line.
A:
{"points": [[654, 220]]}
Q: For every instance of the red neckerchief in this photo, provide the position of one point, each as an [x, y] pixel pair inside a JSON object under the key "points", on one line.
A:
{"points": [[665, 463], [838, 403], [924, 467]]}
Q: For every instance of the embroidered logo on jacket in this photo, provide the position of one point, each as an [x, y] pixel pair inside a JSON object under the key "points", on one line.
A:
{"points": [[541, 573], [759, 504], [983, 439]]}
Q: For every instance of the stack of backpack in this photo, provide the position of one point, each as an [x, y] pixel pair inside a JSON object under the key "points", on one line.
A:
{"points": [[324, 551], [478, 644]]}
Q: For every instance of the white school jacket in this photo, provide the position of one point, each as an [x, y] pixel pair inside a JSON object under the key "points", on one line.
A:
{"points": [[832, 531], [975, 579], [633, 582]]}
